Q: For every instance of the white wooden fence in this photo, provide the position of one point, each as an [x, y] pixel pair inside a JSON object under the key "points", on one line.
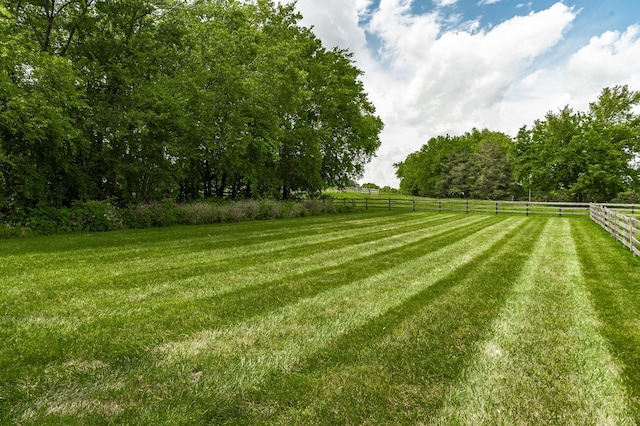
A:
{"points": [[623, 227], [468, 206], [358, 190]]}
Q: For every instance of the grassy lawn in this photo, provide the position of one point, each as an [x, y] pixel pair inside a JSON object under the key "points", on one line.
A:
{"points": [[373, 318]]}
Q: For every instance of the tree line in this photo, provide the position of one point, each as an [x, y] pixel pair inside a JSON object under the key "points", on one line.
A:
{"points": [[567, 156], [141, 100]]}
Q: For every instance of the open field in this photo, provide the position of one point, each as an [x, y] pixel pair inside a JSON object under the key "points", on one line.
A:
{"points": [[373, 318]]}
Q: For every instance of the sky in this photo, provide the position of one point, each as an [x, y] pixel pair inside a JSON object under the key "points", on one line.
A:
{"points": [[437, 67]]}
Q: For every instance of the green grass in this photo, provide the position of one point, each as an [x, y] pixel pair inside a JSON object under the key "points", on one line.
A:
{"points": [[376, 318]]}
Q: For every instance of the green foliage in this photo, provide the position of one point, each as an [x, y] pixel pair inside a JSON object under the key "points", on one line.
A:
{"points": [[137, 101], [389, 190], [583, 156], [46, 220], [567, 156], [95, 216], [370, 185], [477, 164], [99, 216], [628, 197]]}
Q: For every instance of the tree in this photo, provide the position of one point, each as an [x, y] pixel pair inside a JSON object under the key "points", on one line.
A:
{"points": [[40, 104], [492, 169], [476, 164], [611, 136], [583, 156], [370, 185], [137, 100]]}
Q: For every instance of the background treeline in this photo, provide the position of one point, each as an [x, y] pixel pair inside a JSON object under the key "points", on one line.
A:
{"points": [[139, 100], [567, 156]]}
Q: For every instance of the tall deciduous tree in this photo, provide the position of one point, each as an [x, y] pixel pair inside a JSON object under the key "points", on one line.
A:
{"points": [[583, 156], [492, 169], [138, 100], [41, 101], [476, 164]]}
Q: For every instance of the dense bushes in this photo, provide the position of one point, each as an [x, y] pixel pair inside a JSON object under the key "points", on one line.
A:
{"points": [[99, 216]]}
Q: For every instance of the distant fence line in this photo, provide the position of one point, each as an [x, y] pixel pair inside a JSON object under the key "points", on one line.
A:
{"points": [[618, 219], [358, 190], [623, 227], [470, 206]]}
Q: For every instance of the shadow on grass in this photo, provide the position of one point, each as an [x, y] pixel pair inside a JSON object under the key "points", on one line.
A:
{"points": [[229, 308], [397, 368], [612, 277]]}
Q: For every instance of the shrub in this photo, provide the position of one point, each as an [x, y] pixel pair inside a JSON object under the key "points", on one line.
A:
{"points": [[45, 220], [251, 209], [629, 197], [200, 213], [8, 230], [320, 206], [95, 216], [160, 213], [268, 209]]}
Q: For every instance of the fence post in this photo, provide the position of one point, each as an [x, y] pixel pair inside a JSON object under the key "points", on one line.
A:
{"points": [[630, 233], [632, 224], [467, 206], [439, 206], [496, 209], [414, 204], [366, 203], [560, 211], [389, 204]]}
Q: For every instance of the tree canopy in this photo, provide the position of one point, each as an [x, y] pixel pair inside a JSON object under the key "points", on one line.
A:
{"points": [[136, 100], [477, 164], [568, 156]]}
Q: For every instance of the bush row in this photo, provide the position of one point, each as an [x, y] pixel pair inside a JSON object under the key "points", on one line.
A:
{"points": [[99, 216]]}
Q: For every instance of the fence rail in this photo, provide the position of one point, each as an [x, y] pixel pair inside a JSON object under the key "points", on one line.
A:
{"points": [[623, 227], [369, 191], [620, 220], [470, 206]]}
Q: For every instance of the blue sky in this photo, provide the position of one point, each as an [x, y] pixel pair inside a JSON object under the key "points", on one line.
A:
{"points": [[434, 67]]}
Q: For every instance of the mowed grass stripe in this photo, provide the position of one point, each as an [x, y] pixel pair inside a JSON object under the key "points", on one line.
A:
{"points": [[207, 279], [396, 368], [248, 352], [177, 316], [544, 362], [612, 278], [107, 267], [113, 247], [221, 363], [71, 329], [109, 286], [213, 279]]}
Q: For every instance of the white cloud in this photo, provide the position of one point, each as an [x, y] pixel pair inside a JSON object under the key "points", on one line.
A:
{"points": [[429, 79], [609, 59], [335, 22], [443, 3], [612, 57]]}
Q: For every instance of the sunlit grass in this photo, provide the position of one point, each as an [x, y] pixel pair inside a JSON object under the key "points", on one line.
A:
{"points": [[545, 338], [377, 318]]}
